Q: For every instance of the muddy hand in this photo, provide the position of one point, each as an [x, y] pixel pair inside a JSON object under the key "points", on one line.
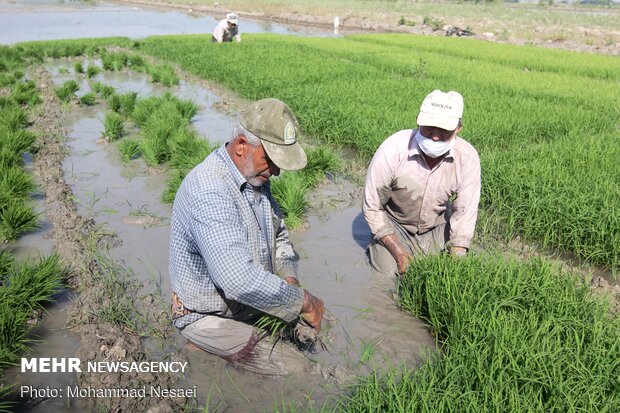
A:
{"points": [[312, 310], [292, 281]]}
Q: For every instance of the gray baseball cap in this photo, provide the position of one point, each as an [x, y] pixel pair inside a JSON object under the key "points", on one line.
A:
{"points": [[276, 126]]}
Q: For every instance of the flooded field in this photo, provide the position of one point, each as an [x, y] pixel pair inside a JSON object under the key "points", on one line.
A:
{"points": [[51, 19], [366, 329]]}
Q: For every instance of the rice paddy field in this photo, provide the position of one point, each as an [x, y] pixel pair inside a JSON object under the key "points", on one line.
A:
{"points": [[514, 332]]}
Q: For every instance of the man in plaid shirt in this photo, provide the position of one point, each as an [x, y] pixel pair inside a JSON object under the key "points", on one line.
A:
{"points": [[230, 256]]}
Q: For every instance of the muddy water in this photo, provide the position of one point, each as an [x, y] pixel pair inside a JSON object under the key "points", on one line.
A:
{"points": [[53, 19], [51, 338], [366, 328], [368, 323]]}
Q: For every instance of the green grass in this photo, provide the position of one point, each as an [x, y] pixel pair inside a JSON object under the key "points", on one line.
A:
{"points": [[515, 336], [16, 214], [78, 67], [521, 103], [290, 190], [89, 99], [67, 91], [122, 104], [26, 288], [129, 149], [114, 61], [26, 93], [92, 71], [113, 126], [164, 74], [105, 91]]}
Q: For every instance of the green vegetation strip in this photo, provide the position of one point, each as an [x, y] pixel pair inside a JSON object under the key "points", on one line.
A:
{"points": [[25, 289], [544, 121], [515, 337]]}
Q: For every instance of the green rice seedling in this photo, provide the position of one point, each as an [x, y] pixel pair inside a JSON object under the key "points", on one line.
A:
{"points": [[67, 90], [273, 326], [92, 71], [78, 67], [25, 289], [13, 340], [88, 99], [187, 149], [6, 392], [15, 183], [163, 123], [13, 118], [113, 126], [114, 102], [290, 190], [172, 186], [137, 63], [26, 93], [154, 151], [128, 103], [9, 158], [114, 61], [114, 305], [509, 332], [17, 218], [17, 142], [63, 71], [164, 74], [129, 149], [186, 108], [367, 351], [320, 160], [123, 104], [35, 284], [144, 108], [548, 207], [6, 102], [6, 261], [104, 90]]}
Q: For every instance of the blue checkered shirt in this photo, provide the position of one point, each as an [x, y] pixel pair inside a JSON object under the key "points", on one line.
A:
{"points": [[218, 252]]}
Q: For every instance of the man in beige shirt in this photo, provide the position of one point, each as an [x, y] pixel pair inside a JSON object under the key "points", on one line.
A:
{"points": [[227, 30], [423, 188]]}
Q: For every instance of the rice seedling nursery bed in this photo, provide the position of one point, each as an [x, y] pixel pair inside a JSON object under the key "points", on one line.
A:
{"points": [[515, 335]]}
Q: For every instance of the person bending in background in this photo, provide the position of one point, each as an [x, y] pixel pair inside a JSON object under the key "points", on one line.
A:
{"points": [[423, 188], [227, 29], [231, 260]]}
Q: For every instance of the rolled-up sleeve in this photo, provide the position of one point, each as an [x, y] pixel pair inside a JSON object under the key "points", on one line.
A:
{"points": [[465, 206], [222, 240]]}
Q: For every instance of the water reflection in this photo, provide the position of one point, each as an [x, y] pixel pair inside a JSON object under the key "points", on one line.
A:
{"points": [[48, 20]]}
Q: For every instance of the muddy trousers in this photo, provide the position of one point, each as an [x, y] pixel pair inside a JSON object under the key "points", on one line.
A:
{"points": [[417, 245], [246, 347]]}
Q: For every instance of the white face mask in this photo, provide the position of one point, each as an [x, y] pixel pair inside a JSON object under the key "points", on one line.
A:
{"points": [[432, 148]]}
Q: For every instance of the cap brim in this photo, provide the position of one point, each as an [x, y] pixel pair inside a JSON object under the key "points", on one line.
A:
{"points": [[287, 157], [443, 122]]}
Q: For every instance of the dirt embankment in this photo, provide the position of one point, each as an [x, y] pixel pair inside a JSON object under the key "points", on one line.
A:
{"points": [[77, 241], [549, 36]]}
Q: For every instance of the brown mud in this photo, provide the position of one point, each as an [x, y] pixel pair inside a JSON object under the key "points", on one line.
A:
{"points": [[367, 323], [77, 240], [355, 22]]}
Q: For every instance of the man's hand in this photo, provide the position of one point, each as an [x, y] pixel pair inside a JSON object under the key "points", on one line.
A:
{"points": [[292, 281], [393, 246], [403, 262], [312, 310], [458, 251]]}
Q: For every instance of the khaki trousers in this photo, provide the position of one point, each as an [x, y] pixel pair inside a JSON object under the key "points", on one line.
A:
{"points": [[417, 245]]}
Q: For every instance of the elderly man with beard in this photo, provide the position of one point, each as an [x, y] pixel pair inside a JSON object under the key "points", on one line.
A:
{"points": [[231, 260], [422, 188]]}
